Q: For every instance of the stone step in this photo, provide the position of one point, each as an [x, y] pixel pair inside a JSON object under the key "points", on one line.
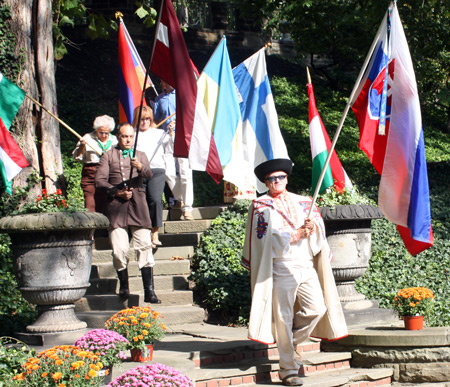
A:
{"points": [[167, 239], [111, 285], [163, 267], [181, 226], [95, 302], [197, 213], [160, 253], [335, 378], [172, 315]]}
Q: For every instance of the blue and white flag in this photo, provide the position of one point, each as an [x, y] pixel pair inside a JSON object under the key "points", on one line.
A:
{"points": [[262, 138], [217, 104]]}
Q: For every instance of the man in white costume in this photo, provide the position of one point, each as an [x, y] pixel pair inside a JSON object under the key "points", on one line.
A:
{"points": [[294, 295]]}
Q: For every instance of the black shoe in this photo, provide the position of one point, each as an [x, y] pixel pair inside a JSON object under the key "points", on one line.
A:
{"points": [[292, 380], [124, 290], [149, 289]]}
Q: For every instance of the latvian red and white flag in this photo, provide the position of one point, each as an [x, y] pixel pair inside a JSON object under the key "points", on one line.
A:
{"points": [[171, 62], [12, 160], [320, 147]]}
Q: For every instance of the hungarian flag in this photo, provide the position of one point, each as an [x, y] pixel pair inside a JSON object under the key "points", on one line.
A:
{"points": [[131, 76], [387, 109], [12, 159], [171, 62], [320, 147]]}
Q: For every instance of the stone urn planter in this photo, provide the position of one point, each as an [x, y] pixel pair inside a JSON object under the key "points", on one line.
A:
{"points": [[348, 229], [52, 256]]}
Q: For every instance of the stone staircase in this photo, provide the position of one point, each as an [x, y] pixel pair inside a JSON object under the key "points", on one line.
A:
{"points": [[171, 273], [218, 356], [211, 356]]}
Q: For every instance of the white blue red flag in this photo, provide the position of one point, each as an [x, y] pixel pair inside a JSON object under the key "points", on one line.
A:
{"points": [[388, 112], [262, 137], [131, 76]]}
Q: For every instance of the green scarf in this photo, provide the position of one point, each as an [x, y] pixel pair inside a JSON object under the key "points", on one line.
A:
{"points": [[105, 147], [126, 152]]}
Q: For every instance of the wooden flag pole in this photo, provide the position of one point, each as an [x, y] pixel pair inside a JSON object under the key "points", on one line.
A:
{"points": [[61, 122], [344, 116], [143, 89]]}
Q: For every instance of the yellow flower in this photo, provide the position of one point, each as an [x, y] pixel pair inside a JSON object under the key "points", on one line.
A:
{"points": [[92, 373], [145, 332], [57, 375]]}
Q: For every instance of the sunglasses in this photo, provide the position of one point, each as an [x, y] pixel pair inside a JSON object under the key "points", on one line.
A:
{"points": [[275, 178]]}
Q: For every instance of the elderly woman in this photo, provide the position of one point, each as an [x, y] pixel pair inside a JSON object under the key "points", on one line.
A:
{"points": [[89, 150], [151, 141]]}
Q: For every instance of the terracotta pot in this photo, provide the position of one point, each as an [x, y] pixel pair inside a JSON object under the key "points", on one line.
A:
{"points": [[142, 355], [413, 323]]}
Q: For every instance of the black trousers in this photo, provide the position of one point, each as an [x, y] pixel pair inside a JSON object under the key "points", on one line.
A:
{"points": [[153, 193]]}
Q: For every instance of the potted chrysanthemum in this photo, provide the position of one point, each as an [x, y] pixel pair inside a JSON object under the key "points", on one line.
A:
{"points": [[64, 366], [142, 326], [109, 346], [152, 375], [413, 305]]}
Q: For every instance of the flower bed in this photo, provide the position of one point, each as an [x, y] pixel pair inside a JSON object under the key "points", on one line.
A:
{"points": [[61, 366]]}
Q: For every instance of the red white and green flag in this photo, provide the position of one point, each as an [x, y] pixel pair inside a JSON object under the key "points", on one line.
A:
{"points": [[320, 146], [12, 159]]}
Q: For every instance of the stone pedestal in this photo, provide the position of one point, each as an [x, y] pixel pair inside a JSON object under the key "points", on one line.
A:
{"points": [[349, 235], [52, 256]]}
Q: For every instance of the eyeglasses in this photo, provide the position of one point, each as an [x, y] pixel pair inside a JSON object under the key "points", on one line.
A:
{"points": [[146, 119], [275, 178]]}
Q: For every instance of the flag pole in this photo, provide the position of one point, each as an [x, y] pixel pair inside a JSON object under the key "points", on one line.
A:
{"points": [[61, 122], [344, 115], [143, 89]]}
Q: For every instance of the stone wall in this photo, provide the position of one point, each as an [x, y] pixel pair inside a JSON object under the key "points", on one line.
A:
{"points": [[421, 356]]}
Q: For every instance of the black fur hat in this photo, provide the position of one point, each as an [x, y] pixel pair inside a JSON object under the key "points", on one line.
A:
{"points": [[269, 166]]}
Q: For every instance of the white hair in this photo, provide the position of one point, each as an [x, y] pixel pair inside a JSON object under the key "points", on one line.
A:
{"points": [[104, 121]]}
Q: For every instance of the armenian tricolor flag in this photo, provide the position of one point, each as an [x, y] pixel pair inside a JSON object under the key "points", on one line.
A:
{"points": [[131, 76]]}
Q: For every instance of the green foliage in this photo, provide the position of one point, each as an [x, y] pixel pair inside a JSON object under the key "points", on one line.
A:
{"points": [[69, 13], [332, 198], [221, 283], [147, 13], [10, 62], [15, 312], [13, 353]]}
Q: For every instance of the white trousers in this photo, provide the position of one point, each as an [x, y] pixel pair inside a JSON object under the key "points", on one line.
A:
{"points": [[141, 243], [181, 184], [298, 306]]}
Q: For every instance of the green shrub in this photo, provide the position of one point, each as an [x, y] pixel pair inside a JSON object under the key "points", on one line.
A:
{"points": [[13, 353], [15, 312], [222, 285]]}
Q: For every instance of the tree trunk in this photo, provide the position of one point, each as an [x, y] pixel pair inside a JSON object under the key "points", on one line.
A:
{"points": [[39, 133]]}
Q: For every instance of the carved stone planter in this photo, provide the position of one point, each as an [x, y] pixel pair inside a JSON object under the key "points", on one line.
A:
{"points": [[52, 257], [348, 230]]}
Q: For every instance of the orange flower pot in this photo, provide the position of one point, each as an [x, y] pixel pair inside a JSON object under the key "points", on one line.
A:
{"points": [[142, 355], [413, 323]]}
